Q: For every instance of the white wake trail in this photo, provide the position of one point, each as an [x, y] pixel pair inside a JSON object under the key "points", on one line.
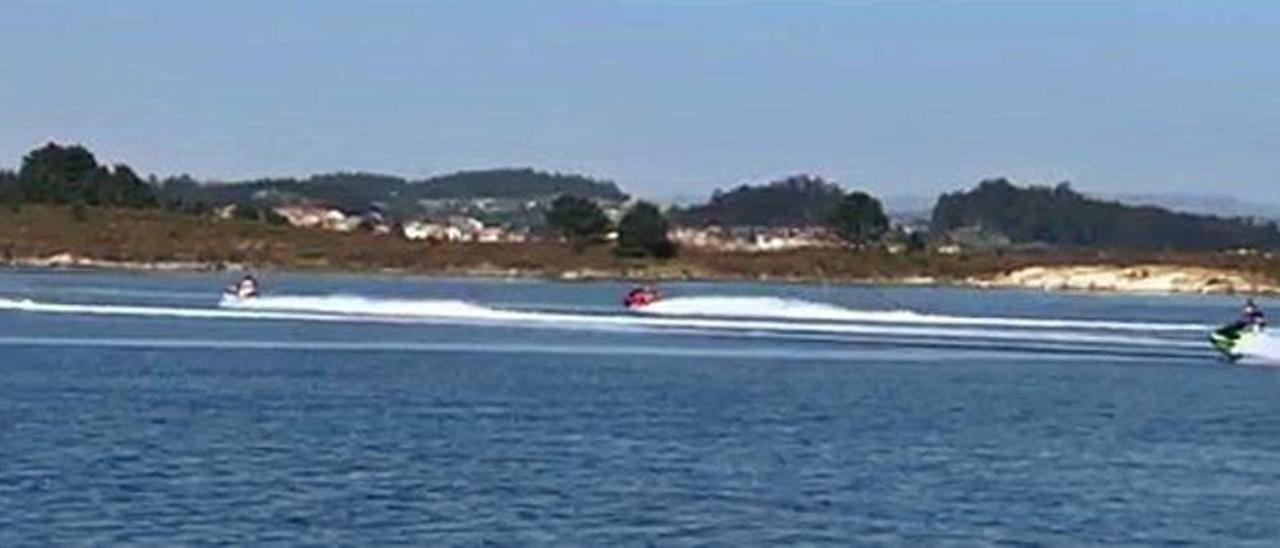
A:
{"points": [[28, 305], [360, 310], [801, 310], [1263, 349], [349, 305], [458, 310]]}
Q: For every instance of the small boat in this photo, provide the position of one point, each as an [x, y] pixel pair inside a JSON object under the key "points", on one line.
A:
{"points": [[245, 289], [641, 297]]}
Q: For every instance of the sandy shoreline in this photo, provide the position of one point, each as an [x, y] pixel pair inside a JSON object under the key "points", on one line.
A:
{"points": [[1153, 279], [1138, 279]]}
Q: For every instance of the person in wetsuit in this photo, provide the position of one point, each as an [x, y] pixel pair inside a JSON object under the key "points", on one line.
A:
{"points": [[1252, 316]]}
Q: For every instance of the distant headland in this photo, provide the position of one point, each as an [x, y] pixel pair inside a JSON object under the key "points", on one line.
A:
{"points": [[62, 209]]}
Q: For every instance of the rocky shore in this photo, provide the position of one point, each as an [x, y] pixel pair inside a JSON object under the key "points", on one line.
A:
{"points": [[1151, 278]]}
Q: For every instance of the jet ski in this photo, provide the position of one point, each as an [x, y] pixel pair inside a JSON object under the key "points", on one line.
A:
{"points": [[641, 297], [245, 289], [1230, 338]]}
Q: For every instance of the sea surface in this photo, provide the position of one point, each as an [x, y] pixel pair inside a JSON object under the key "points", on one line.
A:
{"points": [[361, 410]]}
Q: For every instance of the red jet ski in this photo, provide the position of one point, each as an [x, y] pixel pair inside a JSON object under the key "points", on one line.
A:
{"points": [[641, 297]]}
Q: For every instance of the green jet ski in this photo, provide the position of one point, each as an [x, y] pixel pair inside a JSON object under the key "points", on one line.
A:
{"points": [[1229, 339]]}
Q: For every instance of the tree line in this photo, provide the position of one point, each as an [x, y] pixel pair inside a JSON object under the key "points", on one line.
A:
{"points": [[1060, 216], [856, 217], [402, 197], [799, 200], [56, 174], [642, 231], [71, 175], [1056, 216]]}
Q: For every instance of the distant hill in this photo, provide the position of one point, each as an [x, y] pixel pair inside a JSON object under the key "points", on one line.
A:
{"points": [[357, 191], [515, 183], [795, 201], [1062, 217], [348, 191], [1206, 204]]}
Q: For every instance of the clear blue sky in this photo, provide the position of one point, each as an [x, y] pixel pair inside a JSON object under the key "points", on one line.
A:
{"points": [[667, 98]]}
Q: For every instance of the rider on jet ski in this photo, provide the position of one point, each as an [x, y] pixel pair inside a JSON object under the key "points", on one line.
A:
{"points": [[1252, 316], [246, 288], [640, 297], [1228, 340]]}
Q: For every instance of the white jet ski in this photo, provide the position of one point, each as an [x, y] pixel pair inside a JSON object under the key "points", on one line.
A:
{"points": [[244, 290]]}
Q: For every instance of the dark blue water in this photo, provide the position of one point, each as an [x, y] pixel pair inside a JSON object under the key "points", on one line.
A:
{"points": [[470, 432]]}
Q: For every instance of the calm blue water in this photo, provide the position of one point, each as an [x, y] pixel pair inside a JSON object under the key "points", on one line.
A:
{"points": [[155, 427]]}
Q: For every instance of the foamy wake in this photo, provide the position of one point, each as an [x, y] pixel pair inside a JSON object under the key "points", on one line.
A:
{"points": [[778, 319], [801, 310], [354, 305], [874, 323], [1263, 349]]}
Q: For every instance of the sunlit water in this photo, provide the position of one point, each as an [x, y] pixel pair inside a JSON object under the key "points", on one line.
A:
{"points": [[364, 410]]}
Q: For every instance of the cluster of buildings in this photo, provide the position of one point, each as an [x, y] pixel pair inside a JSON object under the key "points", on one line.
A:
{"points": [[307, 216], [754, 239], [451, 229], [461, 229], [454, 227]]}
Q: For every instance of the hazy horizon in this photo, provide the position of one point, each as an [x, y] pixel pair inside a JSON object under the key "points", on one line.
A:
{"points": [[666, 99]]}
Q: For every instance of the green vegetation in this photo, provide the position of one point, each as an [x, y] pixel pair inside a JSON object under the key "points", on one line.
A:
{"points": [[354, 192], [1059, 216], [516, 183], [10, 192], [643, 233], [579, 220], [799, 201], [55, 174], [795, 201], [65, 175], [859, 219]]}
